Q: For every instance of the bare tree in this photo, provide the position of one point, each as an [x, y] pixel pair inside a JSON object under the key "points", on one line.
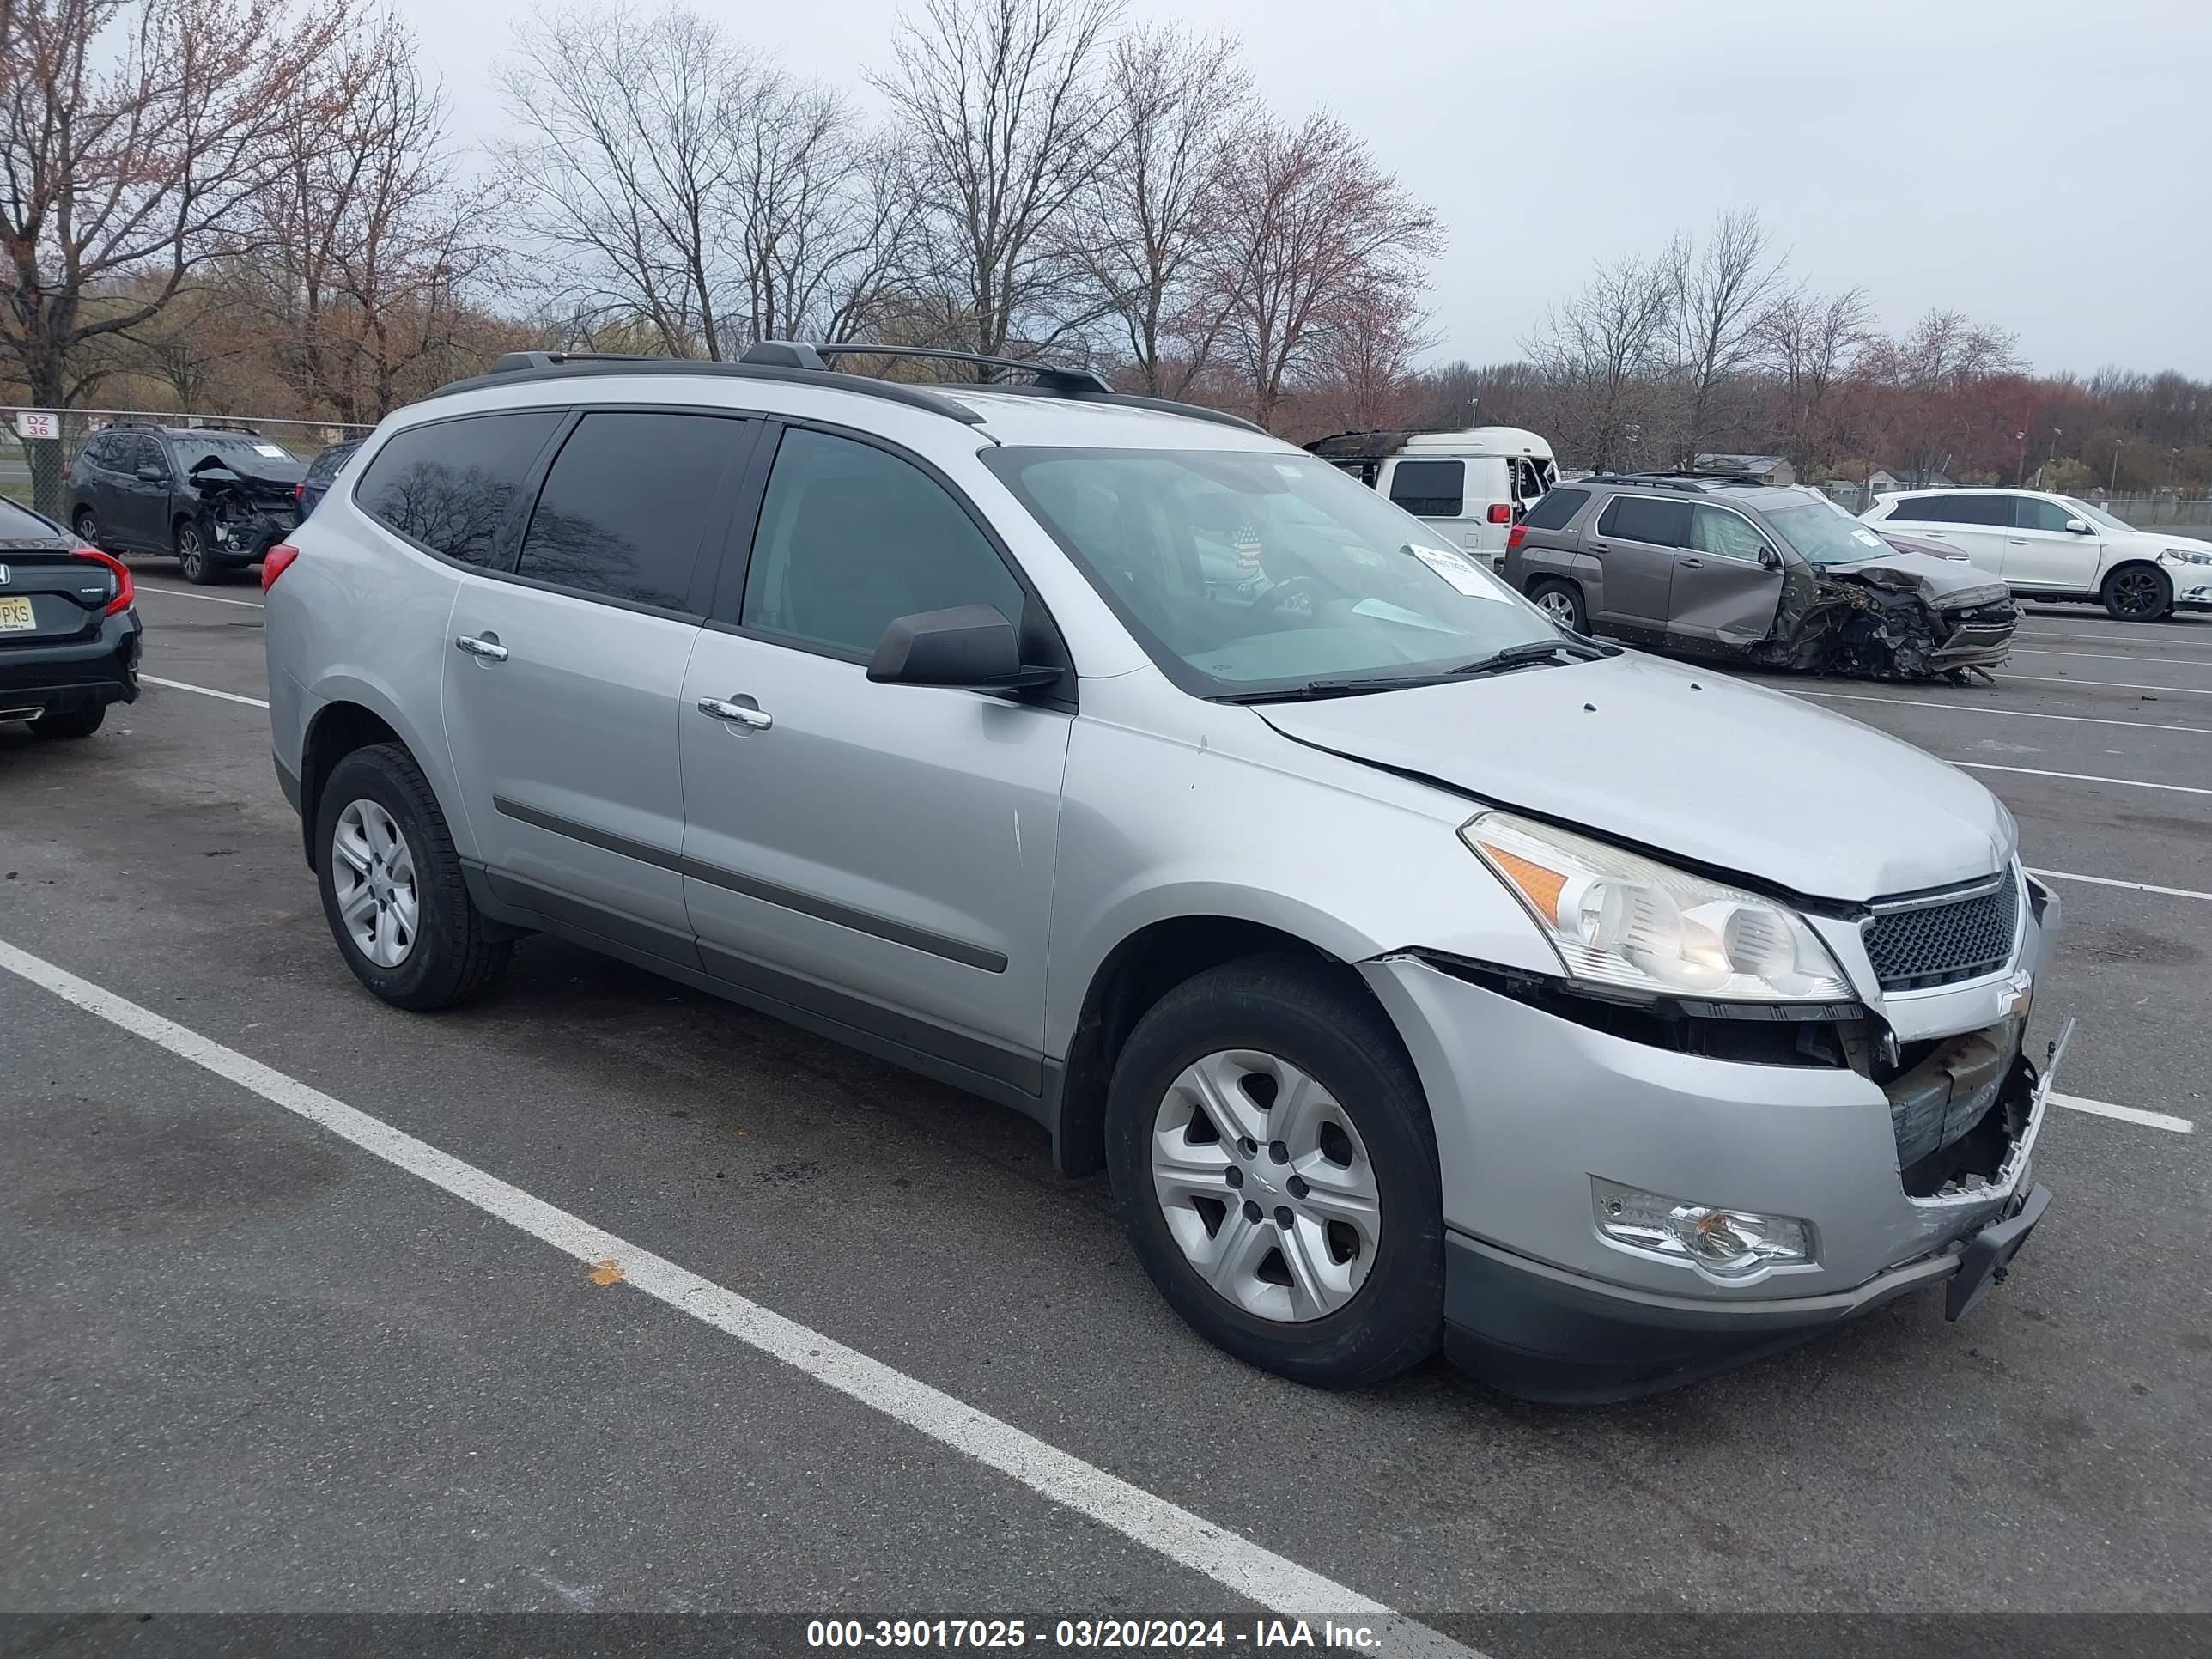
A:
{"points": [[374, 238], [1600, 352], [625, 158], [1811, 341], [1722, 292], [1144, 224], [825, 216], [133, 138], [1006, 120], [1316, 238]]}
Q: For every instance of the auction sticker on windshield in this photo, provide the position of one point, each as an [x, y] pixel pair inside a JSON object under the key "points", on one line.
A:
{"points": [[1455, 569]]}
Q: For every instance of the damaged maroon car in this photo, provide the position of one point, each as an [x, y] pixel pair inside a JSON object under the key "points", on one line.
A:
{"points": [[1766, 575]]}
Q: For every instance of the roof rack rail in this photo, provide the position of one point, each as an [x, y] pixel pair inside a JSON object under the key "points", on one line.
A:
{"points": [[1654, 480], [156, 424], [1052, 381], [560, 365], [799, 353]]}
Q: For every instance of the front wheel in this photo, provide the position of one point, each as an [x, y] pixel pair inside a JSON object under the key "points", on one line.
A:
{"points": [[391, 886], [88, 526], [2136, 592], [1274, 1164], [194, 561], [1563, 603]]}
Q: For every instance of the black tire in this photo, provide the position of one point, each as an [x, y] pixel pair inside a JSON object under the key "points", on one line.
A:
{"points": [[454, 958], [195, 562], [1321, 1020], [87, 524], [71, 723], [1569, 595], [2136, 592]]}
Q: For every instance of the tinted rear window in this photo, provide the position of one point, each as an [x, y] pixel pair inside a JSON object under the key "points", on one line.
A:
{"points": [[1638, 519], [449, 485], [1555, 509], [1429, 489], [627, 503], [19, 524]]}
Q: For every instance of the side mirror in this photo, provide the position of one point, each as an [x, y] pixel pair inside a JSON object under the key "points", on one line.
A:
{"points": [[970, 645], [151, 475], [2079, 527], [1770, 558]]}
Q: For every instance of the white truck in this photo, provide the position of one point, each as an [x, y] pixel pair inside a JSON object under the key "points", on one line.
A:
{"points": [[1471, 486]]}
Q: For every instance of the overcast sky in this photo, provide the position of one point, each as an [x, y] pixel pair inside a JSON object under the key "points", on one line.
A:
{"points": [[2044, 165]]}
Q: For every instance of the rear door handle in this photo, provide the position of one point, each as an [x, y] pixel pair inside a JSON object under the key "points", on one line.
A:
{"points": [[737, 713], [489, 650]]}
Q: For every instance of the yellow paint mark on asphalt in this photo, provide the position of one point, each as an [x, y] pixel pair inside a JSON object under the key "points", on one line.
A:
{"points": [[605, 1271]]}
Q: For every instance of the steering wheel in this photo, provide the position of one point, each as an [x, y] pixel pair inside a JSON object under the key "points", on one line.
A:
{"points": [[1301, 596]]}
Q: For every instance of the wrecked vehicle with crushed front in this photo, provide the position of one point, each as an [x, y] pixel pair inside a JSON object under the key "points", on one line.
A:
{"points": [[247, 500], [1763, 575]]}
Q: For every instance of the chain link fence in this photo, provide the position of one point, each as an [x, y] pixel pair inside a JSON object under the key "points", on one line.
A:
{"points": [[35, 468]]}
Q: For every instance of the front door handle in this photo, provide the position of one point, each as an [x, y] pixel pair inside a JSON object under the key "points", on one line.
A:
{"points": [[737, 713], [1689, 564], [490, 649], [2019, 541]]}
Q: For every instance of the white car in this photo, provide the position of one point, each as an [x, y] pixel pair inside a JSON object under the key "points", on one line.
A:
{"points": [[2053, 547]]}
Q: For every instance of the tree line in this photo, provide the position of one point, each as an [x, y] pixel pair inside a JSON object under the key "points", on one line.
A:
{"points": [[1712, 346], [226, 206]]}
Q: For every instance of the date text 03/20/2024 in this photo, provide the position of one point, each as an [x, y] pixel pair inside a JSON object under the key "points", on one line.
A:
{"points": [[1260, 1635]]}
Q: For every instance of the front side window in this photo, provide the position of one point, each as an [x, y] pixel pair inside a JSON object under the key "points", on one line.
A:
{"points": [[451, 484], [1717, 530], [852, 537], [628, 503], [2029, 514], [1250, 571], [1641, 518], [139, 449], [1823, 533], [1429, 489]]}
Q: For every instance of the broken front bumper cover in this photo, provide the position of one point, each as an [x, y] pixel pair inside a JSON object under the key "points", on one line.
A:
{"points": [[1539, 1332]]}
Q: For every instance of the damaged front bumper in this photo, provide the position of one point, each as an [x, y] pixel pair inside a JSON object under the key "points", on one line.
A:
{"points": [[1869, 631], [1896, 1170]]}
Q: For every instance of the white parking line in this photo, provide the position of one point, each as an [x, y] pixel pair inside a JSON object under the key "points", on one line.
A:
{"points": [[2015, 714], [1237, 1564], [2153, 639], [2132, 886], [2078, 777], [2116, 656], [205, 691], [2180, 1126], [144, 586], [2110, 685]]}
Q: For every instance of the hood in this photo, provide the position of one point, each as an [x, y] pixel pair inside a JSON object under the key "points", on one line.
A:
{"points": [[256, 470], [1948, 584], [2184, 543], [1729, 775]]}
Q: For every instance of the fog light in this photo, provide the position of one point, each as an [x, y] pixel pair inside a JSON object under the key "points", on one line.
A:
{"points": [[1727, 1243]]}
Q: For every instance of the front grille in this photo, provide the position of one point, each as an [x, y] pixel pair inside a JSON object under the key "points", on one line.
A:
{"points": [[1944, 942]]}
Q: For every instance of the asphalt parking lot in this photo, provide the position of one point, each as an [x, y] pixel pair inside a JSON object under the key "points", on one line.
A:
{"points": [[301, 1307]]}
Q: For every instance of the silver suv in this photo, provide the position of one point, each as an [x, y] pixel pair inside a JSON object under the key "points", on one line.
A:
{"points": [[1420, 972]]}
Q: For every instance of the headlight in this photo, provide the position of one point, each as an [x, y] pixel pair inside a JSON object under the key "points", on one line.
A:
{"points": [[1617, 918], [2188, 555]]}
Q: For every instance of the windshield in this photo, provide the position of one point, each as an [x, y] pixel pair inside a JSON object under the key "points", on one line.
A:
{"points": [[1824, 534], [2096, 515], [1241, 570], [231, 443]]}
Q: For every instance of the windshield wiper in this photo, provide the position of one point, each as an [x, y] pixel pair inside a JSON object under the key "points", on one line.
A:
{"points": [[1526, 655], [1337, 688]]}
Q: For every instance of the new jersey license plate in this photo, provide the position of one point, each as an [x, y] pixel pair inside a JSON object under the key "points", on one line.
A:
{"points": [[15, 615]]}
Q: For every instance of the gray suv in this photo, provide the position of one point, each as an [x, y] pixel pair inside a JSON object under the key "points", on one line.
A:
{"points": [[1771, 576], [1420, 973]]}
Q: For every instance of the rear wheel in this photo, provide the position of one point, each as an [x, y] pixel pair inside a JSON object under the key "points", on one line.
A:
{"points": [[2136, 592], [391, 886], [1563, 603], [1274, 1164], [72, 723], [196, 563]]}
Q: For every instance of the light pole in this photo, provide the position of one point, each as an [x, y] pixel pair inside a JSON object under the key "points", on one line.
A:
{"points": [[2055, 435], [2112, 484]]}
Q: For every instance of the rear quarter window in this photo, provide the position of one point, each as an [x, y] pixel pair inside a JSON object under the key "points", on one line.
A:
{"points": [[1556, 510], [1429, 489], [450, 485]]}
